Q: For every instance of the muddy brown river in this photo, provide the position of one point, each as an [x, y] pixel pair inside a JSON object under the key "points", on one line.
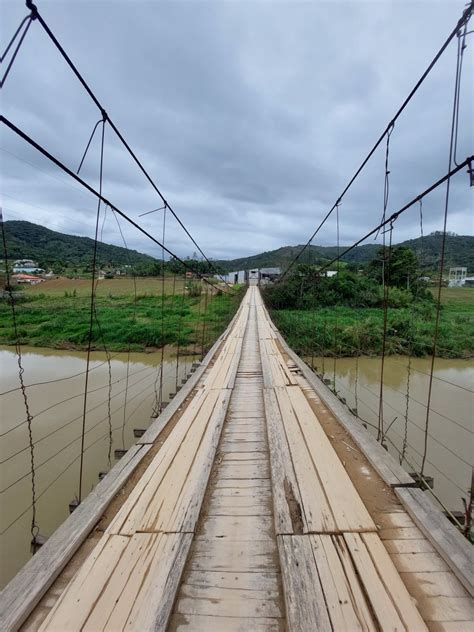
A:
{"points": [[57, 409], [450, 436], [57, 426]]}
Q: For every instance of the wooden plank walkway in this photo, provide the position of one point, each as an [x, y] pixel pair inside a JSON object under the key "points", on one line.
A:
{"points": [[247, 519]]}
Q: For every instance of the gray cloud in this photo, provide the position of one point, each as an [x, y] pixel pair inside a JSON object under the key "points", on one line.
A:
{"points": [[251, 117]]}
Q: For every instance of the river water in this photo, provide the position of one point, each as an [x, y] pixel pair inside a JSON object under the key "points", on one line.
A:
{"points": [[56, 427], [57, 409], [450, 444]]}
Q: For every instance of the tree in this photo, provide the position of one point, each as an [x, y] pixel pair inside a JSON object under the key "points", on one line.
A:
{"points": [[401, 267]]}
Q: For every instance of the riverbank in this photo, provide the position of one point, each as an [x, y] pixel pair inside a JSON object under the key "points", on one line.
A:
{"points": [[346, 331], [49, 316]]}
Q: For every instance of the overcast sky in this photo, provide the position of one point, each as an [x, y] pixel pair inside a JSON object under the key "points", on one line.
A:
{"points": [[250, 116]]}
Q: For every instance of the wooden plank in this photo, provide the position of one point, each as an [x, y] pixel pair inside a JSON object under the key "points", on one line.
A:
{"points": [[347, 508], [314, 502], [393, 520], [156, 503], [243, 446], [287, 505], [245, 493], [125, 583], [408, 546], [256, 585], [223, 603], [73, 607], [243, 470], [256, 505], [249, 527], [232, 555], [418, 562], [391, 580], [456, 551], [400, 534], [359, 595], [385, 611], [433, 584], [241, 483], [447, 608], [20, 596], [345, 611], [450, 626], [305, 605], [250, 458], [198, 623]]}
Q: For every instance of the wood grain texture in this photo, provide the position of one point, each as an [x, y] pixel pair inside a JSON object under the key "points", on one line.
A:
{"points": [[304, 598], [126, 583], [455, 550]]}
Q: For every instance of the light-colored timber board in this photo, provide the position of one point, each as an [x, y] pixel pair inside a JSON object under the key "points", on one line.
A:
{"points": [[126, 583], [287, 505], [201, 623], [304, 598], [455, 550], [353, 584], [170, 500]]}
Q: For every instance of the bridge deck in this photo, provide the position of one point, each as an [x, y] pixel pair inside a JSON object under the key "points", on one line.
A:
{"points": [[247, 519]]}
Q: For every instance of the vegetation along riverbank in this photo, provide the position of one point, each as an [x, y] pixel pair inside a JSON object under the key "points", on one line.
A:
{"points": [[56, 314], [343, 315]]}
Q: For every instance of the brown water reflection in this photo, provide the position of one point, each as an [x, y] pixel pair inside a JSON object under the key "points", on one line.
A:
{"points": [[57, 431], [450, 440]]}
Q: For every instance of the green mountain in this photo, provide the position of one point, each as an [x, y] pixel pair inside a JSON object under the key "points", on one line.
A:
{"points": [[51, 249], [459, 251]]}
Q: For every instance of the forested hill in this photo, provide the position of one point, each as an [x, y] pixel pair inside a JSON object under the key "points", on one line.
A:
{"points": [[459, 252], [49, 248]]}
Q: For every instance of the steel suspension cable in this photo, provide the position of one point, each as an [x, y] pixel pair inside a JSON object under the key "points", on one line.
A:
{"points": [[91, 321], [98, 195], [452, 144], [36, 15], [34, 529], [466, 163], [464, 19], [385, 279], [28, 19]]}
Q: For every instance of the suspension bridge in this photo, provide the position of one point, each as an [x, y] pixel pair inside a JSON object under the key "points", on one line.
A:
{"points": [[264, 508], [255, 499]]}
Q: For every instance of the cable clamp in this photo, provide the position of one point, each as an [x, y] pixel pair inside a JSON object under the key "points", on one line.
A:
{"points": [[104, 115], [470, 171], [33, 8]]}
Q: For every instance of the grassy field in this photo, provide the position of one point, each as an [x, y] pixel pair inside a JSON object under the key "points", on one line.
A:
{"points": [[57, 314], [348, 331], [105, 287]]}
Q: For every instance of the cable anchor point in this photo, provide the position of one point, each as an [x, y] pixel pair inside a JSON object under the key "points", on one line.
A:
{"points": [[33, 8], [470, 171]]}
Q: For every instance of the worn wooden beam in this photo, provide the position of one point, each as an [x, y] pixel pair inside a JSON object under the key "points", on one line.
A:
{"points": [[455, 549]]}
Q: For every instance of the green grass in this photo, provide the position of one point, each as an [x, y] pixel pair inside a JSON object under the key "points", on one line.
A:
{"points": [[60, 319], [346, 331], [120, 286]]}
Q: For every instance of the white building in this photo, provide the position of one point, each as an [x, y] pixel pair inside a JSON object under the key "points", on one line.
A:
{"points": [[26, 266], [457, 277], [235, 277]]}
